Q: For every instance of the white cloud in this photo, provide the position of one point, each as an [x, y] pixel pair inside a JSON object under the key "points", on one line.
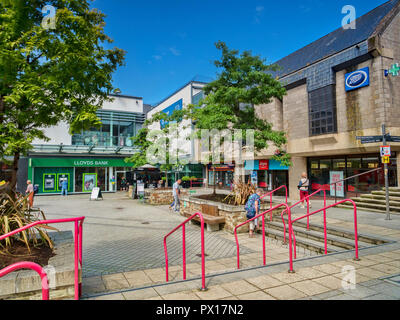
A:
{"points": [[157, 57], [260, 9], [174, 51], [259, 13]]}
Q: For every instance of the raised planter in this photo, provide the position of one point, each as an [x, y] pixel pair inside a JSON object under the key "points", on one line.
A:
{"points": [[26, 284], [234, 215]]}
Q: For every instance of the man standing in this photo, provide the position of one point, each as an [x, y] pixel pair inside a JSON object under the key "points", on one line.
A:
{"points": [[64, 187], [176, 192]]}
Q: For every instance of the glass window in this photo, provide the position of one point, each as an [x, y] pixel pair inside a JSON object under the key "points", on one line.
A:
{"points": [[96, 176], [339, 164], [322, 110], [370, 163]]}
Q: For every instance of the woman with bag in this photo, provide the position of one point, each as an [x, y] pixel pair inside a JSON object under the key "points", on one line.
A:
{"points": [[304, 185], [253, 209]]}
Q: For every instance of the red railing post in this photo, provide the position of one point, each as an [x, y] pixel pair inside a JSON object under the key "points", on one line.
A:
{"points": [[308, 213], [166, 259], [34, 267], [325, 231], [290, 242], [76, 258], [203, 266], [263, 239], [203, 257], [184, 251], [270, 204], [263, 220], [77, 249]]}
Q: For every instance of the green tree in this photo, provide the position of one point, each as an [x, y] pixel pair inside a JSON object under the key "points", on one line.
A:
{"points": [[159, 144], [245, 81], [51, 74]]}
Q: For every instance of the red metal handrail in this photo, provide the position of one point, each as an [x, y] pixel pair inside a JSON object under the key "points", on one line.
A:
{"points": [[203, 273], [271, 193], [325, 232], [34, 267], [308, 210], [77, 241], [263, 232]]}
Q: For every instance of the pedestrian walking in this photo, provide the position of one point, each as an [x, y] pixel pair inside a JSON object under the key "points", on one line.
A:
{"points": [[123, 184], [30, 192], [176, 193], [253, 209], [304, 185], [64, 187]]}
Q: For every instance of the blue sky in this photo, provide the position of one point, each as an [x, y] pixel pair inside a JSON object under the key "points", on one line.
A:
{"points": [[170, 42]]}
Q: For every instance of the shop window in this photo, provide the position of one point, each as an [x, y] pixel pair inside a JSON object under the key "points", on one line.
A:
{"points": [[322, 110]]}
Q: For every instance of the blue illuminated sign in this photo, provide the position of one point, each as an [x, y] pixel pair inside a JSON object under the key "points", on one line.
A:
{"points": [[169, 110], [357, 79]]}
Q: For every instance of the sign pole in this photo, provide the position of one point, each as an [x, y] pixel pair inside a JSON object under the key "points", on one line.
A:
{"points": [[386, 172]]}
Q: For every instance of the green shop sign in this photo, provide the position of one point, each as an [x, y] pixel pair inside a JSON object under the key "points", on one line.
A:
{"points": [[66, 162]]}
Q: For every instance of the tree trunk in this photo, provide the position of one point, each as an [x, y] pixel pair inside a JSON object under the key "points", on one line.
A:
{"points": [[166, 179], [14, 175], [215, 183], [2, 109]]}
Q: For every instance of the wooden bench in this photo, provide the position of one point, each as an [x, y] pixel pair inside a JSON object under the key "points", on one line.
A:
{"points": [[212, 222]]}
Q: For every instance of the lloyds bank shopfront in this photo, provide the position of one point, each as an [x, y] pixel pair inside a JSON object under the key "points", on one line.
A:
{"points": [[82, 174]]}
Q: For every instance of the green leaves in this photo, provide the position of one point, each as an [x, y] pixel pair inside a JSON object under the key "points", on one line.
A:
{"points": [[51, 75], [244, 82]]}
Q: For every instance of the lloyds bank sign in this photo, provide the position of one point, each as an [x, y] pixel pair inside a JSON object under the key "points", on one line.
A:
{"points": [[68, 163]]}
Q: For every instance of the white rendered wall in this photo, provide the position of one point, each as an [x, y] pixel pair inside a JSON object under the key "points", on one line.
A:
{"points": [[60, 133]]}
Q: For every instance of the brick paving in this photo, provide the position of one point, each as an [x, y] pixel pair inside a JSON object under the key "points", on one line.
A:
{"points": [[122, 235], [316, 278]]}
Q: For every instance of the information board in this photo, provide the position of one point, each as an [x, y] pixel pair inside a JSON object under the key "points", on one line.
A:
{"points": [[96, 194], [337, 176]]}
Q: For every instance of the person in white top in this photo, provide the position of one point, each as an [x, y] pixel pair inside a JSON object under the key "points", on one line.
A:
{"points": [[304, 185]]}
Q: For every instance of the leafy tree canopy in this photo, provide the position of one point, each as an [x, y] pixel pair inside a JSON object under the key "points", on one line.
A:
{"points": [[244, 81], [51, 74]]}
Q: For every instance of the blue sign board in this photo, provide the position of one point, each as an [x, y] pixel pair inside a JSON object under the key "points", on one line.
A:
{"points": [[357, 79], [169, 110]]}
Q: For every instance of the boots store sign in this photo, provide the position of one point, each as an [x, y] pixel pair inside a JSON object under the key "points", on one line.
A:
{"points": [[357, 79]]}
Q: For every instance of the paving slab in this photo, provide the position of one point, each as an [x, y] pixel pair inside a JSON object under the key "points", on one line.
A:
{"points": [[285, 292], [309, 287], [239, 287]]}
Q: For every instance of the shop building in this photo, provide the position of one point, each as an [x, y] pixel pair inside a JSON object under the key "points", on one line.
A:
{"points": [[190, 93], [89, 158], [337, 90]]}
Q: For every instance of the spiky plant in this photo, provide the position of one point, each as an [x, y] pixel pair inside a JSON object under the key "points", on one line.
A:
{"points": [[240, 193], [14, 214]]}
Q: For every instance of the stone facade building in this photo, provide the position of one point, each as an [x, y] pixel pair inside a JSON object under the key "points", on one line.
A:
{"points": [[322, 116]]}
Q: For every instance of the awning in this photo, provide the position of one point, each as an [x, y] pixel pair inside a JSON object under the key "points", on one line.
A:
{"points": [[269, 164]]}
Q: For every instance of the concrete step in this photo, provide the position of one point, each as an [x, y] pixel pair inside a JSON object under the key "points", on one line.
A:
{"points": [[383, 193], [378, 197], [373, 206], [383, 210], [306, 243], [394, 189], [395, 204], [334, 231], [335, 240]]}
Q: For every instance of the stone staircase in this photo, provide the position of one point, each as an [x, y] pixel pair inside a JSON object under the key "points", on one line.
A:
{"points": [[312, 241], [376, 201]]}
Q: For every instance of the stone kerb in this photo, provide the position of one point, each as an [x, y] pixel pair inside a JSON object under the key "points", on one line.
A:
{"points": [[26, 284]]}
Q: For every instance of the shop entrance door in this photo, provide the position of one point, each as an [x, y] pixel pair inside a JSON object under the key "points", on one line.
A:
{"points": [[119, 176], [280, 178]]}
